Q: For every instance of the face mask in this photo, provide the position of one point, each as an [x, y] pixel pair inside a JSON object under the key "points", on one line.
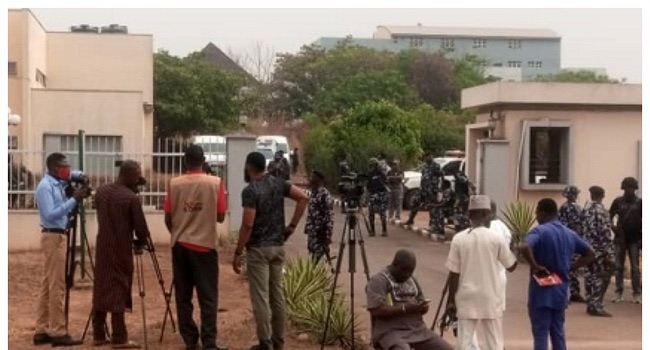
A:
{"points": [[63, 173]]}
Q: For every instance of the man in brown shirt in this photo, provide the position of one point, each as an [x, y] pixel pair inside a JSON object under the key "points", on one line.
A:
{"points": [[119, 215], [195, 203]]}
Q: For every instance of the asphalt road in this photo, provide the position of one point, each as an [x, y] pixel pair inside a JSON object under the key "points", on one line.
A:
{"points": [[621, 332]]}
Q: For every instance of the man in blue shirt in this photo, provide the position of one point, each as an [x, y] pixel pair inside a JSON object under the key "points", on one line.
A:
{"points": [[54, 208], [549, 249]]}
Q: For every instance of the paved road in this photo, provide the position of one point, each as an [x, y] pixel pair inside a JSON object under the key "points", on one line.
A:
{"points": [[621, 332]]}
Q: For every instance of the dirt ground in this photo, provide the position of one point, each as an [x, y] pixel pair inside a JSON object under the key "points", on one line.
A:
{"points": [[235, 321]]}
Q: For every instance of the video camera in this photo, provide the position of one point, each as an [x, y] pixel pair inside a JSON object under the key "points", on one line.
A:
{"points": [[351, 187], [82, 182]]}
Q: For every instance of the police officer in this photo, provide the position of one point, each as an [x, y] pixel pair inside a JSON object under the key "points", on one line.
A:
{"points": [[441, 209], [429, 187], [379, 193], [596, 232], [395, 182], [570, 215], [463, 189]]}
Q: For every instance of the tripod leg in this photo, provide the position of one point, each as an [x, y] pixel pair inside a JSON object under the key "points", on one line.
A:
{"points": [[442, 299], [138, 261], [168, 312], [339, 261], [90, 317], [161, 282], [364, 257]]}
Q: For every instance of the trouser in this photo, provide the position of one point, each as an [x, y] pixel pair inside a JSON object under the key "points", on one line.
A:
{"points": [[461, 211], [438, 220], [318, 246], [491, 332], [392, 342], [395, 204], [420, 200], [545, 321], [378, 204], [118, 326], [264, 270], [50, 315], [597, 278], [574, 286], [633, 253], [201, 271]]}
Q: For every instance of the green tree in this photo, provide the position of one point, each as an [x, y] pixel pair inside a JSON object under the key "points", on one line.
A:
{"points": [[441, 130], [577, 76], [192, 95]]}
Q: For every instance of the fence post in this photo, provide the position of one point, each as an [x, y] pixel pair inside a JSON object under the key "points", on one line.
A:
{"points": [[82, 208]]}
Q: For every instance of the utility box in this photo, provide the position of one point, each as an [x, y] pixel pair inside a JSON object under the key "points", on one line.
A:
{"points": [[238, 146]]}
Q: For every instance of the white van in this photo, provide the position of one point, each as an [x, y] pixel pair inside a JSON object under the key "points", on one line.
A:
{"points": [[275, 143], [214, 148]]}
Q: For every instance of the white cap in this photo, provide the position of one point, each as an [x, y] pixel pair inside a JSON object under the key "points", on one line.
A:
{"points": [[479, 202]]}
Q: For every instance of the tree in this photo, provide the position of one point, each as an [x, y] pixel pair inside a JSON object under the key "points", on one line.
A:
{"points": [[441, 130], [577, 76], [432, 77], [192, 95]]}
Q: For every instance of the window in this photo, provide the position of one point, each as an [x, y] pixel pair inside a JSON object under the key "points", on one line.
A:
{"points": [[416, 42], [514, 44], [531, 64], [40, 77], [101, 152], [546, 161], [448, 44], [13, 142], [538, 64], [514, 64], [497, 64], [480, 43], [13, 68]]}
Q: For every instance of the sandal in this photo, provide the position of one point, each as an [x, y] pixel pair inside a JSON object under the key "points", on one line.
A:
{"points": [[128, 345]]}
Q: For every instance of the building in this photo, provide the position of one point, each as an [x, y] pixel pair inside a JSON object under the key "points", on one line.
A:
{"points": [[217, 57], [99, 80], [512, 54], [530, 139]]}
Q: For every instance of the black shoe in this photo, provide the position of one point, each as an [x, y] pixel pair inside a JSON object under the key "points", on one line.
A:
{"points": [[261, 347], [42, 339], [192, 347], [409, 223], [577, 298], [599, 313], [65, 340]]}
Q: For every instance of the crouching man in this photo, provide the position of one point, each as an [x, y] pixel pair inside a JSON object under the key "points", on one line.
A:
{"points": [[396, 304]]}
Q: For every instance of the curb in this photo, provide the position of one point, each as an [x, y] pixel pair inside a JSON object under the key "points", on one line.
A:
{"points": [[409, 228]]}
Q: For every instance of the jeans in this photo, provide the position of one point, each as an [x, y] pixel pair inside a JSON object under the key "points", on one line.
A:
{"points": [[545, 321], [264, 270], [633, 253], [201, 270]]}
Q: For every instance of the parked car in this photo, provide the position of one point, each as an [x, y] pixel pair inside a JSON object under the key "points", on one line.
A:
{"points": [[275, 143], [268, 154], [448, 165], [214, 148]]}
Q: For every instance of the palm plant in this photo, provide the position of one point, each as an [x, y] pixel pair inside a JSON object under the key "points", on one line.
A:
{"points": [[520, 218]]}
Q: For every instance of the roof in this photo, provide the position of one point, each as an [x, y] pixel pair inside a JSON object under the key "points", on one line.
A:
{"points": [[511, 93], [214, 55], [473, 32]]}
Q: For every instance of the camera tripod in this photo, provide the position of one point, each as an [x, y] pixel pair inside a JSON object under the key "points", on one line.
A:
{"points": [[138, 251], [352, 234], [447, 320]]}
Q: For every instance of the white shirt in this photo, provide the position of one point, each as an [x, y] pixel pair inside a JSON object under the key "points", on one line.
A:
{"points": [[498, 226], [478, 255]]}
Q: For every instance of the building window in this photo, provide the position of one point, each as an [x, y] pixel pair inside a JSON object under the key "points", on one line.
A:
{"points": [[538, 64], [514, 64], [101, 151], [531, 64], [13, 142], [13, 68], [480, 43], [546, 163], [416, 42], [448, 44], [497, 64], [41, 78], [514, 44]]}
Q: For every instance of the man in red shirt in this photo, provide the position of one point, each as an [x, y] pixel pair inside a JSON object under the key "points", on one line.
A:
{"points": [[195, 203]]}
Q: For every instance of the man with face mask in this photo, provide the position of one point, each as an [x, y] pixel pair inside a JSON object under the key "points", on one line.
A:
{"points": [[626, 213], [195, 203], [262, 234], [119, 215], [396, 304], [54, 208]]}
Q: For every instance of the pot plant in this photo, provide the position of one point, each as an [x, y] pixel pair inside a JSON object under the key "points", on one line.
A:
{"points": [[520, 218]]}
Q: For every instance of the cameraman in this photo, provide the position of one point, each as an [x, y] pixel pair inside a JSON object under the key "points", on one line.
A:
{"points": [[378, 196], [119, 215], [54, 209]]}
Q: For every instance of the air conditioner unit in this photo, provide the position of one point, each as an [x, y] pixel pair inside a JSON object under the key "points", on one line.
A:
{"points": [[115, 29], [84, 28]]}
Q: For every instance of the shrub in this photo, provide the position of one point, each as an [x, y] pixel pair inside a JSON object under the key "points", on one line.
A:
{"points": [[307, 288], [520, 218]]}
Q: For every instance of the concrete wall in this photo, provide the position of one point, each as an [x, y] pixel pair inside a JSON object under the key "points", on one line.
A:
{"points": [[97, 112], [25, 233], [87, 61]]}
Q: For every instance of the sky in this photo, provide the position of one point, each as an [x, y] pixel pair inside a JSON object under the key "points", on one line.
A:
{"points": [[599, 38]]}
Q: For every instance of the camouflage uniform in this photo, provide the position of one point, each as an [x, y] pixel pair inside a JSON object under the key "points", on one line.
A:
{"points": [[597, 229], [396, 192], [429, 188], [319, 224], [570, 214], [441, 210], [379, 195], [463, 190]]}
